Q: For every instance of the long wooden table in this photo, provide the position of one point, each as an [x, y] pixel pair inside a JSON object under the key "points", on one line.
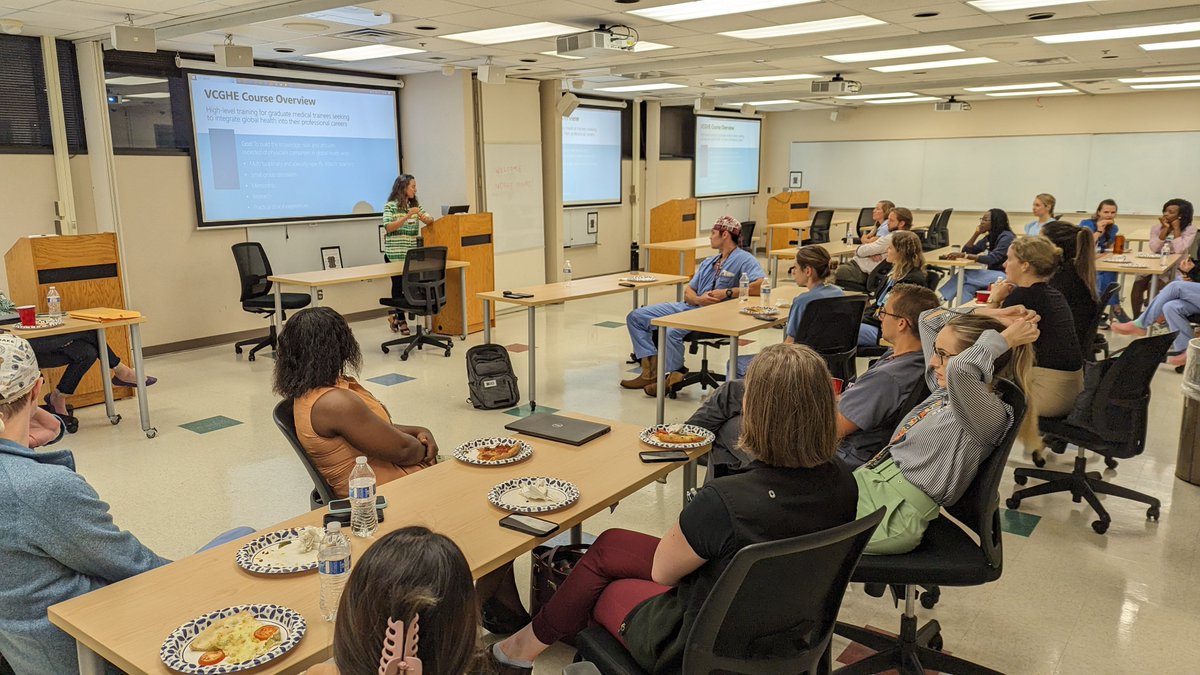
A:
{"points": [[73, 325], [682, 247], [958, 267], [127, 622], [837, 249], [553, 294], [345, 275], [1155, 267]]}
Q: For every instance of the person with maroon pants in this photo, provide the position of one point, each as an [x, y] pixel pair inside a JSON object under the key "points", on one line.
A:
{"points": [[647, 592]]}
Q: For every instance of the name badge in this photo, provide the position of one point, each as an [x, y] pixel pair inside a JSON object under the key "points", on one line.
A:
{"points": [[726, 274]]}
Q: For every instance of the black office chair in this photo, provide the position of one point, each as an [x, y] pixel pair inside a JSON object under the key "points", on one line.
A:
{"points": [[943, 227], [423, 292], [818, 231], [1114, 427], [947, 556], [746, 240], [705, 377], [830, 327], [772, 611], [866, 221], [285, 419], [256, 297], [1099, 342]]}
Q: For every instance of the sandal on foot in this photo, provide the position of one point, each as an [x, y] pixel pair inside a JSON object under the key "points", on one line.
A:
{"points": [[118, 382]]}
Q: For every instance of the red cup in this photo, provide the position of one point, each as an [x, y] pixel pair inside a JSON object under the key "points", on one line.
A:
{"points": [[837, 386], [982, 296], [28, 314]]}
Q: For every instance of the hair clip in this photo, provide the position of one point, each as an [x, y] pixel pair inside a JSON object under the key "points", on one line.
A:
{"points": [[394, 659]]}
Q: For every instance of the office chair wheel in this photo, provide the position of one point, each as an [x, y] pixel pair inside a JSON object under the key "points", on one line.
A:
{"points": [[1020, 479], [237, 349], [404, 357], [385, 350], [1100, 526], [1152, 513], [71, 423], [1012, 503], [447, 354], [151, 432], [929, 599], [672, 394], [936, 643], [249, 358], [1110, 462], [1179, 369], [114, 419], [1038, 460]]}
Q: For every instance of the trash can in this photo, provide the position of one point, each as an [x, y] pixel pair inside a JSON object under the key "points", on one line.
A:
{"points": [[1187, 464]]}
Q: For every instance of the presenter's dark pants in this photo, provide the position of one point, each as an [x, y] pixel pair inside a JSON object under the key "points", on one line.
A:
{"points": [[76, 351]]}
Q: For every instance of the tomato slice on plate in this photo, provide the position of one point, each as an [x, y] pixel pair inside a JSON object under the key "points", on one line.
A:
{"points": [[265, 632], [212, 658]]}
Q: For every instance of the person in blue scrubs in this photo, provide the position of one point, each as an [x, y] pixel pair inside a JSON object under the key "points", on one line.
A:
{"points": [[716, 280], [1043, 212], [1103, 225]]}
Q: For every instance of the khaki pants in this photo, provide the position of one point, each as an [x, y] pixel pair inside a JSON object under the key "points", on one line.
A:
{"points": [[1054, 391], [909, 511]]}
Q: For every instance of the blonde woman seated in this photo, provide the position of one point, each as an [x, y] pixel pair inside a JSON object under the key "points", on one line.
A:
{"points": [[905, 265]]}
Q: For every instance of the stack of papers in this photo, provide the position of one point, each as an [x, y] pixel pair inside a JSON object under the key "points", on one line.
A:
{"points": [[104, 314]]}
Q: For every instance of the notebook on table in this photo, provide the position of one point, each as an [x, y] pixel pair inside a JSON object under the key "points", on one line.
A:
{"points": [[104, 314], [558, 428]]}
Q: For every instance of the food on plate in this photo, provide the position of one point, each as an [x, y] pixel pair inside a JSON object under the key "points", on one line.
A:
{"points": [[498, 452], [677, 436], [293, 552], [235, 639], [536, 491], [761, 309]]}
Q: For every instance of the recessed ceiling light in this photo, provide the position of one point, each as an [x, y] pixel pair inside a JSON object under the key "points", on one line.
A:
{"points": [[305, 26], [1174, 85], [437, 58], [366, 53], [643, 46], [1177, 44], [284, 50], [1035, 92], [1006, 5], [997, 44], [1110, 56], [778, 101], [950, 63], [133, 80], [1014, 87], [1159, 79], [561, 56], [528, 31], [655, 86], [1119, 33], [768, 78], [931, 50], [916, 99], [867, 97], [825, 25], [700, 9], [149, 94], [628, 2]]}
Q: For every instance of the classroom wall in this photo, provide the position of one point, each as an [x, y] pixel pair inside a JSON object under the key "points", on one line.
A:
{"points": [[435, 111]]}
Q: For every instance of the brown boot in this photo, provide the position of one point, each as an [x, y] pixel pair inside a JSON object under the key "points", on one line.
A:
{"points": [[649, 372], [672, 380]]}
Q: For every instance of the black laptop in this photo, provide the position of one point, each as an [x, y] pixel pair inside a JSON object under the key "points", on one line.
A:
{"points": [[559, 428]]}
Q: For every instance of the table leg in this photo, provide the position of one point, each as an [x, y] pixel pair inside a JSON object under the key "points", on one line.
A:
{"points": [[645, 296], [139, 369], [314, 292], [635, 302], [774, 272], [689, 479], [660, 400], [277, 318], [487, 321], [731, 368], [90, 662], [962, 274], [462, 289], [532, 359], [1153, 286], [679, 289], [577, 535], [106, 378]]}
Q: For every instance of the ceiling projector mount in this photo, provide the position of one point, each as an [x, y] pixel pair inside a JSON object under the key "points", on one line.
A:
{"points": [[603, 41]]}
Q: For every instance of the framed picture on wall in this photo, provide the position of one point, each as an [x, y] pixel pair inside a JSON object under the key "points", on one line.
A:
{"points": [[382, 238], [796, 180], [331, 257]]}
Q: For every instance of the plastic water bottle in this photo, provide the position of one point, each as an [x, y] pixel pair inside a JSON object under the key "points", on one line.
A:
{"points": [[567, 272], [849, 237], [54, 303], [333, 567], [744, 288], [363, 519], [1165, 251], [765, 291]]}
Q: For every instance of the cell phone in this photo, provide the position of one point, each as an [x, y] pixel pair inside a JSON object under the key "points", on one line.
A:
{"points": [[626, 284], [343, 517], [528, 524], [651, 457], [343, 505], [517, 296]]}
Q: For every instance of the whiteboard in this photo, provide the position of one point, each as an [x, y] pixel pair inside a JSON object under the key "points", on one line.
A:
{"points": [[513, 195], [975, 174]]}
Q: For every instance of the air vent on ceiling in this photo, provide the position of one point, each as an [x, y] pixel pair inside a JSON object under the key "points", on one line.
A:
{"points": [[722, 85], [373, 35], [1087, 81], [1048, 61]]}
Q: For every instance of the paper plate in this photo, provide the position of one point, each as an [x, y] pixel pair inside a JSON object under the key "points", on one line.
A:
{"points": [[650, 438], [40, 322], [276, 553], [180, 657], [640, 278], [507, 495], [761, 311], [469, 452]]}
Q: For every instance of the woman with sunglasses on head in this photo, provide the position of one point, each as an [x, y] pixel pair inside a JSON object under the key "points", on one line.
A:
{"points": [[905, 264], [403, 218], [992, 251]]}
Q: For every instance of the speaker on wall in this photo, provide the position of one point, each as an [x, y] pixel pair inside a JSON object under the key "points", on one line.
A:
{"points": [[234, 56], [133, 39], [567, 104]]}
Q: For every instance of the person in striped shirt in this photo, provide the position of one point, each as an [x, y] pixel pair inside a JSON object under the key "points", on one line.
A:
{"points": [[403, 218], [936, 451]]}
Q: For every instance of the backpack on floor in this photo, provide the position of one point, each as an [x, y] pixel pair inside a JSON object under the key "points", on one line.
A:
{"points": [[490, 378]]}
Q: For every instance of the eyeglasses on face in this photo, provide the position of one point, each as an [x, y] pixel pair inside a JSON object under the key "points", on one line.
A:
{"points": [[942, 354]]}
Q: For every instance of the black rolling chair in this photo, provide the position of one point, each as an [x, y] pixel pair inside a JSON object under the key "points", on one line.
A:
{"points": [[701, 342], [285, 419], [762, 616], [866, 223], [256, 297], [746, 240], [830, 327], [943, 227], [818, 231], [1114, 427], [947, 556], [423, 292], [1099, 342]]}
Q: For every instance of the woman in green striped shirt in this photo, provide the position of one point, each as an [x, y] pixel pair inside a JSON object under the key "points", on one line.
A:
{"points": [[403, 218]]}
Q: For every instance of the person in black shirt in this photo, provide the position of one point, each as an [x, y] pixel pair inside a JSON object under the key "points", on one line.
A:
{"points": [[647, 592], [1075, 278]]}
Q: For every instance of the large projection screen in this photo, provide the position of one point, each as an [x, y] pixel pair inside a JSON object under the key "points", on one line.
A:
{"points": [[274, 150], [727, 150], [591, 157]]}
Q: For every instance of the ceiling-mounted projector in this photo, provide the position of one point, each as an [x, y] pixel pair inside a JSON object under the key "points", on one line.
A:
{"points": [[835, 86], [951, 106], [594, 43]]}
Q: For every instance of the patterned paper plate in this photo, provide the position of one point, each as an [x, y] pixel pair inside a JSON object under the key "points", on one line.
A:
{"points": [[178, 655], [277, 553], [650, 436], [510, 496], [40, 322], [640, 278], [469, 452]]}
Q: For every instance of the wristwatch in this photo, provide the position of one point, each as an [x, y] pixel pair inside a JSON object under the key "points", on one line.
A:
{"points": [[728, 293]]}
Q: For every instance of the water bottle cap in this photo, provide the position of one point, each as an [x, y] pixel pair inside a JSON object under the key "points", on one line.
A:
{"points": [[360, 460], [333, 527]]}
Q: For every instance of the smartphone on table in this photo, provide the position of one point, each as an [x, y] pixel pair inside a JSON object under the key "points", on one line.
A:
{"points": [[651, 457], [343, 505], [528, 524]]}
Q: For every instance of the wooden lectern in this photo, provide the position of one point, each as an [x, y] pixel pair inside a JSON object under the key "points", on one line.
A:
{"points": [[786, 207], [467, 237], [671, 221], [86, 271]]}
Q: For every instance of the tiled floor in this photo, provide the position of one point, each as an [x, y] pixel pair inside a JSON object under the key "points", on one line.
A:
{"points": [[1069, 601]]}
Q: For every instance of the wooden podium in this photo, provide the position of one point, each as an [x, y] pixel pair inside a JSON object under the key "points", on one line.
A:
{"points": [[785, 207], [86, 271], [467, 237], [671, 221]]}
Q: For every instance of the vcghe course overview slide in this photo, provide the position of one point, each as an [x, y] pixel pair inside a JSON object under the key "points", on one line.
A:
{"points": [[273, 150], [591, 153], [726, 156]]}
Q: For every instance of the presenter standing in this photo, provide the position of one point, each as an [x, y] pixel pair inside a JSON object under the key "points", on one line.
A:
{"points": [[403, 218]]}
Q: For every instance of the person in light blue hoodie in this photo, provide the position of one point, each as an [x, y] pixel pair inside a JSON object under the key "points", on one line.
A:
{"points": [[59, 540], [1043, 212]]}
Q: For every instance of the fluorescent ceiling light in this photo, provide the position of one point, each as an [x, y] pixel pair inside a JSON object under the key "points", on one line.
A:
{"points": [[365, 53], [1006, 5], [700, 9], [1178, 44], [132, 80], [1158, 80], [561, 56], [1014, 87], [149, 94], [528, 31], [950, 63], [857, 21], [778, 101], [917, 99], [643, 46], [1035, 92], [1174, 85], [1118, 33], [653, 86], [931, 50], [867, 97], [768, 78]]}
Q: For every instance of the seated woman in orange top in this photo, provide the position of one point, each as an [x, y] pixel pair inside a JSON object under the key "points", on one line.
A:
{"points": [[336, 419]]}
